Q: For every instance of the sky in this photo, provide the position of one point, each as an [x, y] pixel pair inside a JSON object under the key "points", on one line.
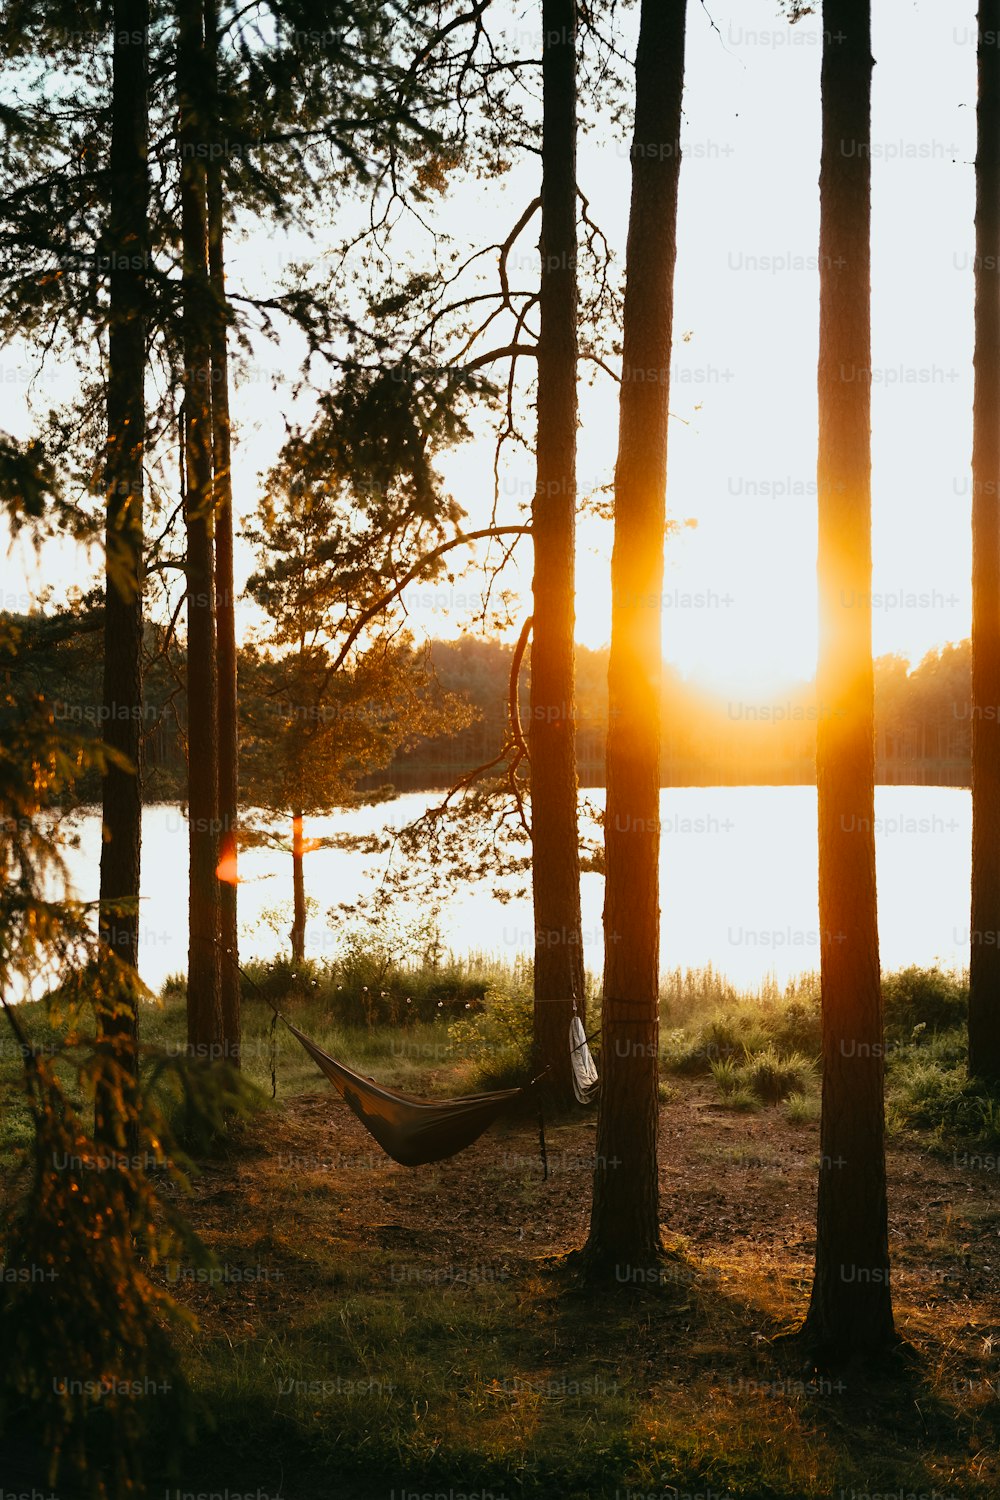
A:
{"points": [[740, 593]]}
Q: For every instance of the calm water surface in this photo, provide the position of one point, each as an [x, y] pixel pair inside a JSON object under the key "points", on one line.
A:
{"points": [[738, 871]]}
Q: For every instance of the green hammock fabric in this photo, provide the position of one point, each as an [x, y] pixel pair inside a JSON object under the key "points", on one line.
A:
{"points": [[412, 1131]]}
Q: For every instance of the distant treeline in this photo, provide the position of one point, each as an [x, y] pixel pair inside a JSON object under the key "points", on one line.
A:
{"points": [[923, 715], [923, 722]]}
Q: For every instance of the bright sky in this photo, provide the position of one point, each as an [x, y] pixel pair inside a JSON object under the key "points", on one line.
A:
{"points": [[740, 602]]}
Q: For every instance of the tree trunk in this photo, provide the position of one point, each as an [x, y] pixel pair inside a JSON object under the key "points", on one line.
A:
{"points": [[298, 931], [128, 241], [851, 1306], [624, 1227], [559, 968], [204, 1000], [225, 604], [984, 958]]}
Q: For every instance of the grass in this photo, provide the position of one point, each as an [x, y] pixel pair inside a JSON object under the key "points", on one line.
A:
{"points": [[763, 1077], [418, 1331], [762, 1048], [380, 1362]]}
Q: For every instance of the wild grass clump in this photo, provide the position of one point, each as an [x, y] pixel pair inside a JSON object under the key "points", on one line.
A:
{"points": [[730, 1036], [764, 1077], [772, 1077], [759, 1047], [802, 1108], [931, 1091], [732, 1087]]}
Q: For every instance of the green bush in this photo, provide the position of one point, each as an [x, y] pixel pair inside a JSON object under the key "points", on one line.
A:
{"points": [[793, 1022], [497, 1038], [928, 997], [281, 978], [730, 1036]]}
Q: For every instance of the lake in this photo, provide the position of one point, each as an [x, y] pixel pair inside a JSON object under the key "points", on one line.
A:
{"points": [[738, 871]]}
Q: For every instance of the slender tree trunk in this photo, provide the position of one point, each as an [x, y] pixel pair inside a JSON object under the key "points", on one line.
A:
{"points": [[225, 604], [625, 1227], [298, 931], [984, 958], [128, 240], [559, 969], [851, 1305], [204, 999]]}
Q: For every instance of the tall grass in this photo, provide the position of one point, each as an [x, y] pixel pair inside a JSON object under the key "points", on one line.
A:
{"points": [[471, 1020]]}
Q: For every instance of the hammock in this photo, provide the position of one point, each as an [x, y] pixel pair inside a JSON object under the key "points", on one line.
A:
{"points": [[415, 1131], [412, 1131]]}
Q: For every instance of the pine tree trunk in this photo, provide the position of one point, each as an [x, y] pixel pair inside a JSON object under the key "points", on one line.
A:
{"points": [[559, 967], [128, 241], [225, 604], [625, 1221], [984, 958], [851, 1305], [298, 931], [204, 999]]}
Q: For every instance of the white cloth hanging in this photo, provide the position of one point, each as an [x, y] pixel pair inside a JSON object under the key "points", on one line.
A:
{"points": [[585, 1080]]}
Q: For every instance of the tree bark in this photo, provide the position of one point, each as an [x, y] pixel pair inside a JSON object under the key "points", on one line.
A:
{"points": [[559, 967], [128, 248], [984, 925], [625, 1229], [225, 604], [298, 930], [205, 1036], [850, 1310]]}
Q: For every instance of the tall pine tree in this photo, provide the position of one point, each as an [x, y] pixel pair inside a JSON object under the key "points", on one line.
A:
{"points": [[126, 247], [555, 859], [851, 1304], [984, 958], [624, 1228]]}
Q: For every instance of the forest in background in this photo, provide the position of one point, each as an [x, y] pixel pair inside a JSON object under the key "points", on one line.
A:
{"points": [[923, 717]]}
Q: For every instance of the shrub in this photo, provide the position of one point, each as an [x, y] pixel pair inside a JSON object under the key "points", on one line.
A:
{"points": [[498, 1039], [732, 1087], [282, 979], [929, 997], [794, 1023]]}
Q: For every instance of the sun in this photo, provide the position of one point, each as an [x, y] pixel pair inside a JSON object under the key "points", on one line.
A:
{"points": [[741, 643]]}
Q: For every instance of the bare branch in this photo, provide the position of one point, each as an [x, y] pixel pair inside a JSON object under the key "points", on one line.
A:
{"points": [[374, 610]]}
